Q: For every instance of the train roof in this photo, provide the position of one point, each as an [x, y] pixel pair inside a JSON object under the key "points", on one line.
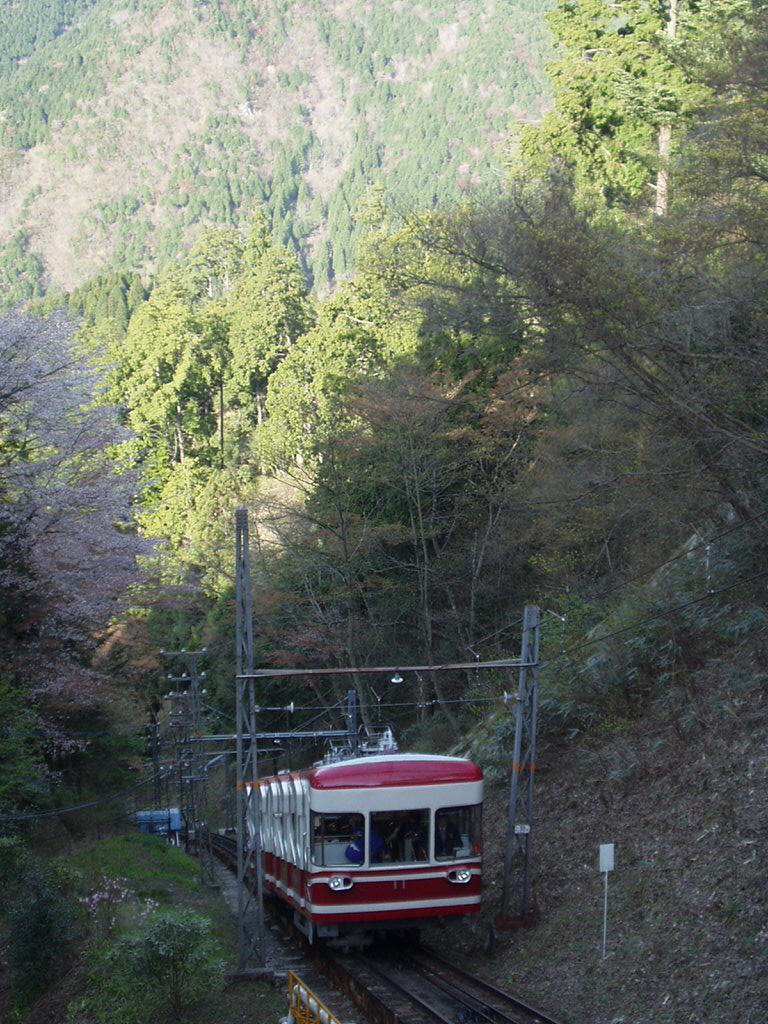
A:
{"points": [[394, 770]]}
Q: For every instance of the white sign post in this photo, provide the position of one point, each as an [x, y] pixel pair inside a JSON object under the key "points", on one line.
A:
{"points": [[606, 865]]}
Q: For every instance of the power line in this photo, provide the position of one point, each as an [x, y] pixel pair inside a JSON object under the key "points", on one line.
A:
{"points": [[702, 542], [661, 613], [39, 815], [657, 615]]}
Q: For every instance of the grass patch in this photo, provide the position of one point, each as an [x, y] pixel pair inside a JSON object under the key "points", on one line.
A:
{"points": [[146, 862], [154, 945]]}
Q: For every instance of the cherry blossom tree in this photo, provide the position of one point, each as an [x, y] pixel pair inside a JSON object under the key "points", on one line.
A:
{"points": [[68, 551]]}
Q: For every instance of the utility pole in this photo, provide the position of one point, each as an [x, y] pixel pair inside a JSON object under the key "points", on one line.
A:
{"points": [[351, 717], [247, 758], [154, 749], [248, 810], [524, 760], [227, 796], [193, 784], [520, 817], [178, 728]]}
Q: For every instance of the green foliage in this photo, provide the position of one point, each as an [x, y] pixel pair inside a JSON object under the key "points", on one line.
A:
{"points": [[58, 64], [617, 80], [142, 881], [175, 949], [15, 860], [192, 374], [269, 311], [21, 271], [42, 22], [23, 783], [532, 395], [40, 927], [305, 400], [432, 99], [117, 997], [112, 297], [148, 863]]}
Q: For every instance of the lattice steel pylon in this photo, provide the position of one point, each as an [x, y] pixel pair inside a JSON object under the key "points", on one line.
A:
{"points": [[520, 819], [246, 756], [191, 756], [198, 775]]}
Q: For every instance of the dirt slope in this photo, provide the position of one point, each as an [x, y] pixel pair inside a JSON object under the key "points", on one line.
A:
{"points": [[682, 794]]}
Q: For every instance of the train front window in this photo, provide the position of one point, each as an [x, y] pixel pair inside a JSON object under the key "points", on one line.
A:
{"points": [[457, 832], [337, 839], [399, 837]]}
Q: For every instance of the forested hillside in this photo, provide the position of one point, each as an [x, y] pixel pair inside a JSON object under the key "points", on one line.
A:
{"points": [[550, 392], [130, 124], [538, 396]]}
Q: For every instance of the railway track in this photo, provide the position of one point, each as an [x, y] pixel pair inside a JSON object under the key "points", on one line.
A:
{"points": [[453, 995], [409, 984]]}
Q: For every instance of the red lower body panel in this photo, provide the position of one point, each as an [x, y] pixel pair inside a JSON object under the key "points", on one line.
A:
{"points": [[391, 894]]}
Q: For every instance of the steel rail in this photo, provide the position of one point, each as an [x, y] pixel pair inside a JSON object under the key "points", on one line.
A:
{"points": [[412, 998], [449, 973], [481, 1011]]}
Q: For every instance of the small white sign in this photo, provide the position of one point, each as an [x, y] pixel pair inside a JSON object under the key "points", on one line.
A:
{"points": [[606, 856]]}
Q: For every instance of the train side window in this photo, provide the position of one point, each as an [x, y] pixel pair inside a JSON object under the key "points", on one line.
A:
{"points": [[302, 825], [457, 832], [277, 819], [399, 837], [337, 839], [265, 820], [289, 820]]}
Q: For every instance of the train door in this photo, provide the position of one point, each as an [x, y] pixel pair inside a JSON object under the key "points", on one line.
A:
{"points": [[302, 822], [267, 841], [289, 828], [277, 829]]}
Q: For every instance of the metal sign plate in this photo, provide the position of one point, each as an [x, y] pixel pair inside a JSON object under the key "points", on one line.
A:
{"points": [[606, 856]]}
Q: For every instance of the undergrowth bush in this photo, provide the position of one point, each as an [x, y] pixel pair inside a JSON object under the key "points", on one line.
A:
{"points": [[154, 973], [604, 666], [176, 950], [40, 930]]}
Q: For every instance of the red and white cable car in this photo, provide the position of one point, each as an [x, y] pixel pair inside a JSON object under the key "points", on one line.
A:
{"points": [[373, 842]]}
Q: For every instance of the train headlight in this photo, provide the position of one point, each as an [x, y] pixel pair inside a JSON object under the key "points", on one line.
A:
{"points": [[460, 876], [338, 883]]}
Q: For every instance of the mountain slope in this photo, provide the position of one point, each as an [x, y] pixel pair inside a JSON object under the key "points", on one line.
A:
{"points": [[128, 123]]}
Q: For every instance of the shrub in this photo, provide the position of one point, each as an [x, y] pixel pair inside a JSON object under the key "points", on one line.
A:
{"points": [[177, 951], [40, 934]]}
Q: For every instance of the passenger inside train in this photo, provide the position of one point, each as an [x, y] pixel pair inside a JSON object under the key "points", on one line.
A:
{"points": [[406, 834]]}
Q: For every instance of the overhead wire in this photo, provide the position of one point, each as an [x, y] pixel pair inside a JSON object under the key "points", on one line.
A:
{"points": [[664, 612], [437, 702], [57, 811], [702, 542], [601, 638]]}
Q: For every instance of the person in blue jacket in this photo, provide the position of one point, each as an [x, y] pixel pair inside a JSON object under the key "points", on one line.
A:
{"points": [[354, 852], [376, 845]]}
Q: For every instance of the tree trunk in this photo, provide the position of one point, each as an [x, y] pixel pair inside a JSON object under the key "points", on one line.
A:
{"points": [[221, 419], [662, 178], [179, 436], [665, 132]]}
